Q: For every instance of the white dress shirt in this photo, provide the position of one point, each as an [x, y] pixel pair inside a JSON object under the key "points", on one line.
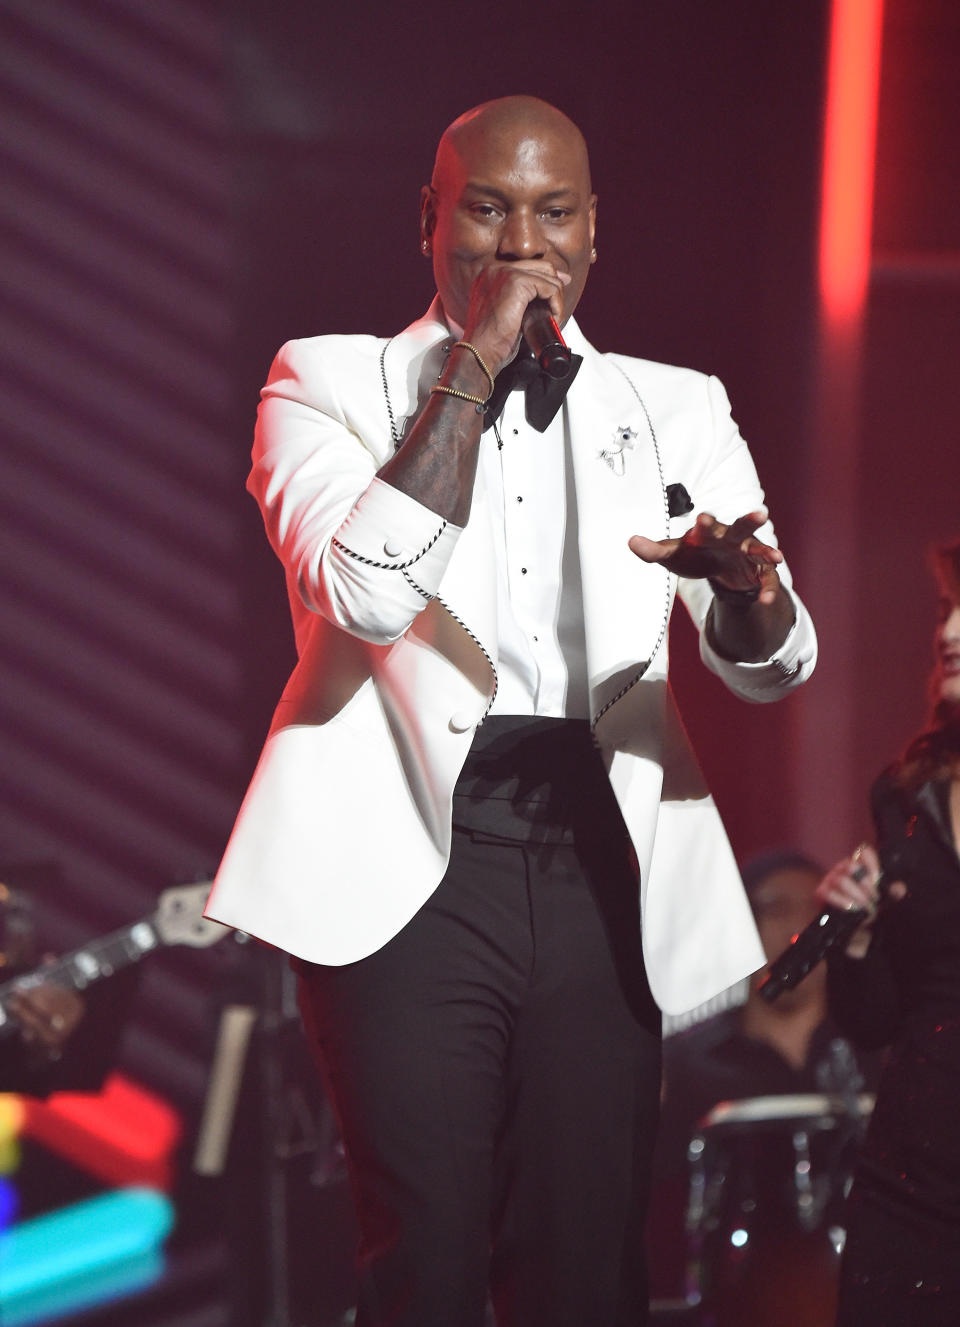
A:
{"points": [[542, 661]]}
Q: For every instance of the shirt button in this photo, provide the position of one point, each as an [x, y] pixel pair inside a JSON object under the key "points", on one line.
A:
{"points": [[461, 721], [516, 433], [393, 548], [519, 499], [523, 571]]}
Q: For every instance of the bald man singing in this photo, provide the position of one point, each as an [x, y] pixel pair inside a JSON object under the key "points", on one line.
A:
{"points": [[476, 824]]}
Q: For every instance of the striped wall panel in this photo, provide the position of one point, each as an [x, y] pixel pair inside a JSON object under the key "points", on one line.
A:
{"points": [[121, 677]]}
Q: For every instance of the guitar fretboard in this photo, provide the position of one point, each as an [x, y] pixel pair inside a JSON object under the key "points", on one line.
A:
{"points": [[100, 958]]}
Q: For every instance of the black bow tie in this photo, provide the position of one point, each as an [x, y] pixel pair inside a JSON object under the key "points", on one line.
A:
{"points": [[544, 395]]}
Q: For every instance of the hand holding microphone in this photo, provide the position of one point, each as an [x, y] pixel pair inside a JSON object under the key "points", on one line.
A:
{"points": [[854, 886], [510, 300], [850, 894]]}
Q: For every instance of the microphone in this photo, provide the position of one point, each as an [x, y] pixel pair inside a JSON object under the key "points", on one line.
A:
{"points": [[833, 926], [543, 336]]}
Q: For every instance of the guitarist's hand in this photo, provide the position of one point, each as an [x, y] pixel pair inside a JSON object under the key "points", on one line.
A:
{"points": [[47, 1015]]}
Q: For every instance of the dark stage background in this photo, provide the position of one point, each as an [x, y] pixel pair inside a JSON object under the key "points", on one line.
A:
{"points": [[189, 183]]}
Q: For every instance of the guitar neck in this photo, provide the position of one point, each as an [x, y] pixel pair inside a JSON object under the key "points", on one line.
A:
{"points": [[178, 920], [90, 963]]}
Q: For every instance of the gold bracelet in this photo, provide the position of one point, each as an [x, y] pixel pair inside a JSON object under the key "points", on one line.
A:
{"points": [[465, 345], [462, 396]]}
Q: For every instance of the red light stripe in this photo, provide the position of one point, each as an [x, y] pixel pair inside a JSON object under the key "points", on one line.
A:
{"points": [[848, 156], [123, 1134]]}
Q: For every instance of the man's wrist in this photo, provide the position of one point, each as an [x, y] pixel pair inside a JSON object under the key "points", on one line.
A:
{"points": [[478, 401], [747, 631], [739, 598], [466, 371], [468, 345]]}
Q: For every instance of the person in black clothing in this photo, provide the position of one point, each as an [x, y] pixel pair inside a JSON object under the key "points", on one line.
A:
{"points": [[897, 984]]}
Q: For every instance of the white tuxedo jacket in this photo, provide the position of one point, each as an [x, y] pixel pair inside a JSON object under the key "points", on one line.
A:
{"points": [[345, 829]]}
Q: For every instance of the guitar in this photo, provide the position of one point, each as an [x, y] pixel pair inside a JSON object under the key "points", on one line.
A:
{"points": [[178, 920]]}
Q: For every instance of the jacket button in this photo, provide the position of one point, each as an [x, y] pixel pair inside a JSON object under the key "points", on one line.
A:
{"points": [[393, 548], [461, 721]]}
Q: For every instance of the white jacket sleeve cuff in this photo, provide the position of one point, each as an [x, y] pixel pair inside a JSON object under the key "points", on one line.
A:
{"points": [[388, 529], [769, 680]]}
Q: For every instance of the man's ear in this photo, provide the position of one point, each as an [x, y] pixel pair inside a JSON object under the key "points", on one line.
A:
{"points": [[428, 214]]}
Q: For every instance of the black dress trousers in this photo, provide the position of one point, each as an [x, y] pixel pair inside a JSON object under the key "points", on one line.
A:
{"points": [[496, 1066]]}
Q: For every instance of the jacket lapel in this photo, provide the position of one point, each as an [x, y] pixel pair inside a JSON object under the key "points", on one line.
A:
{"points": [[412, 360], [619, 491]]}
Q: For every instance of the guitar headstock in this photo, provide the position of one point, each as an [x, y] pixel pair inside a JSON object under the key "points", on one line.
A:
{"points": [[179, 918]]}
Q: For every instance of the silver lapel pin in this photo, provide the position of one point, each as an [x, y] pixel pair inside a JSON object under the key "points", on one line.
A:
{"points": [[623, 441]]}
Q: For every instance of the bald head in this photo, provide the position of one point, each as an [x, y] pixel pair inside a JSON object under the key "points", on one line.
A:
{"points": [[511, 184], [507, 126]]}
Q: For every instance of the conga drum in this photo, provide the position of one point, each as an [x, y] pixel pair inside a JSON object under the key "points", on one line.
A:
{"points": [[764, 1224]]}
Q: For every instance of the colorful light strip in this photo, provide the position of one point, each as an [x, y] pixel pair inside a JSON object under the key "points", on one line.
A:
{"points": [[105, 1247], [12, 1116], [123, 1134], [106, 1285], [9, 1203], [82, 1254], [846, 216]]}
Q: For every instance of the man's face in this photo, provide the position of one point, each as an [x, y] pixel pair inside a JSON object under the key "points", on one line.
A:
{"points": [[783, 903], [506, 196]]}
